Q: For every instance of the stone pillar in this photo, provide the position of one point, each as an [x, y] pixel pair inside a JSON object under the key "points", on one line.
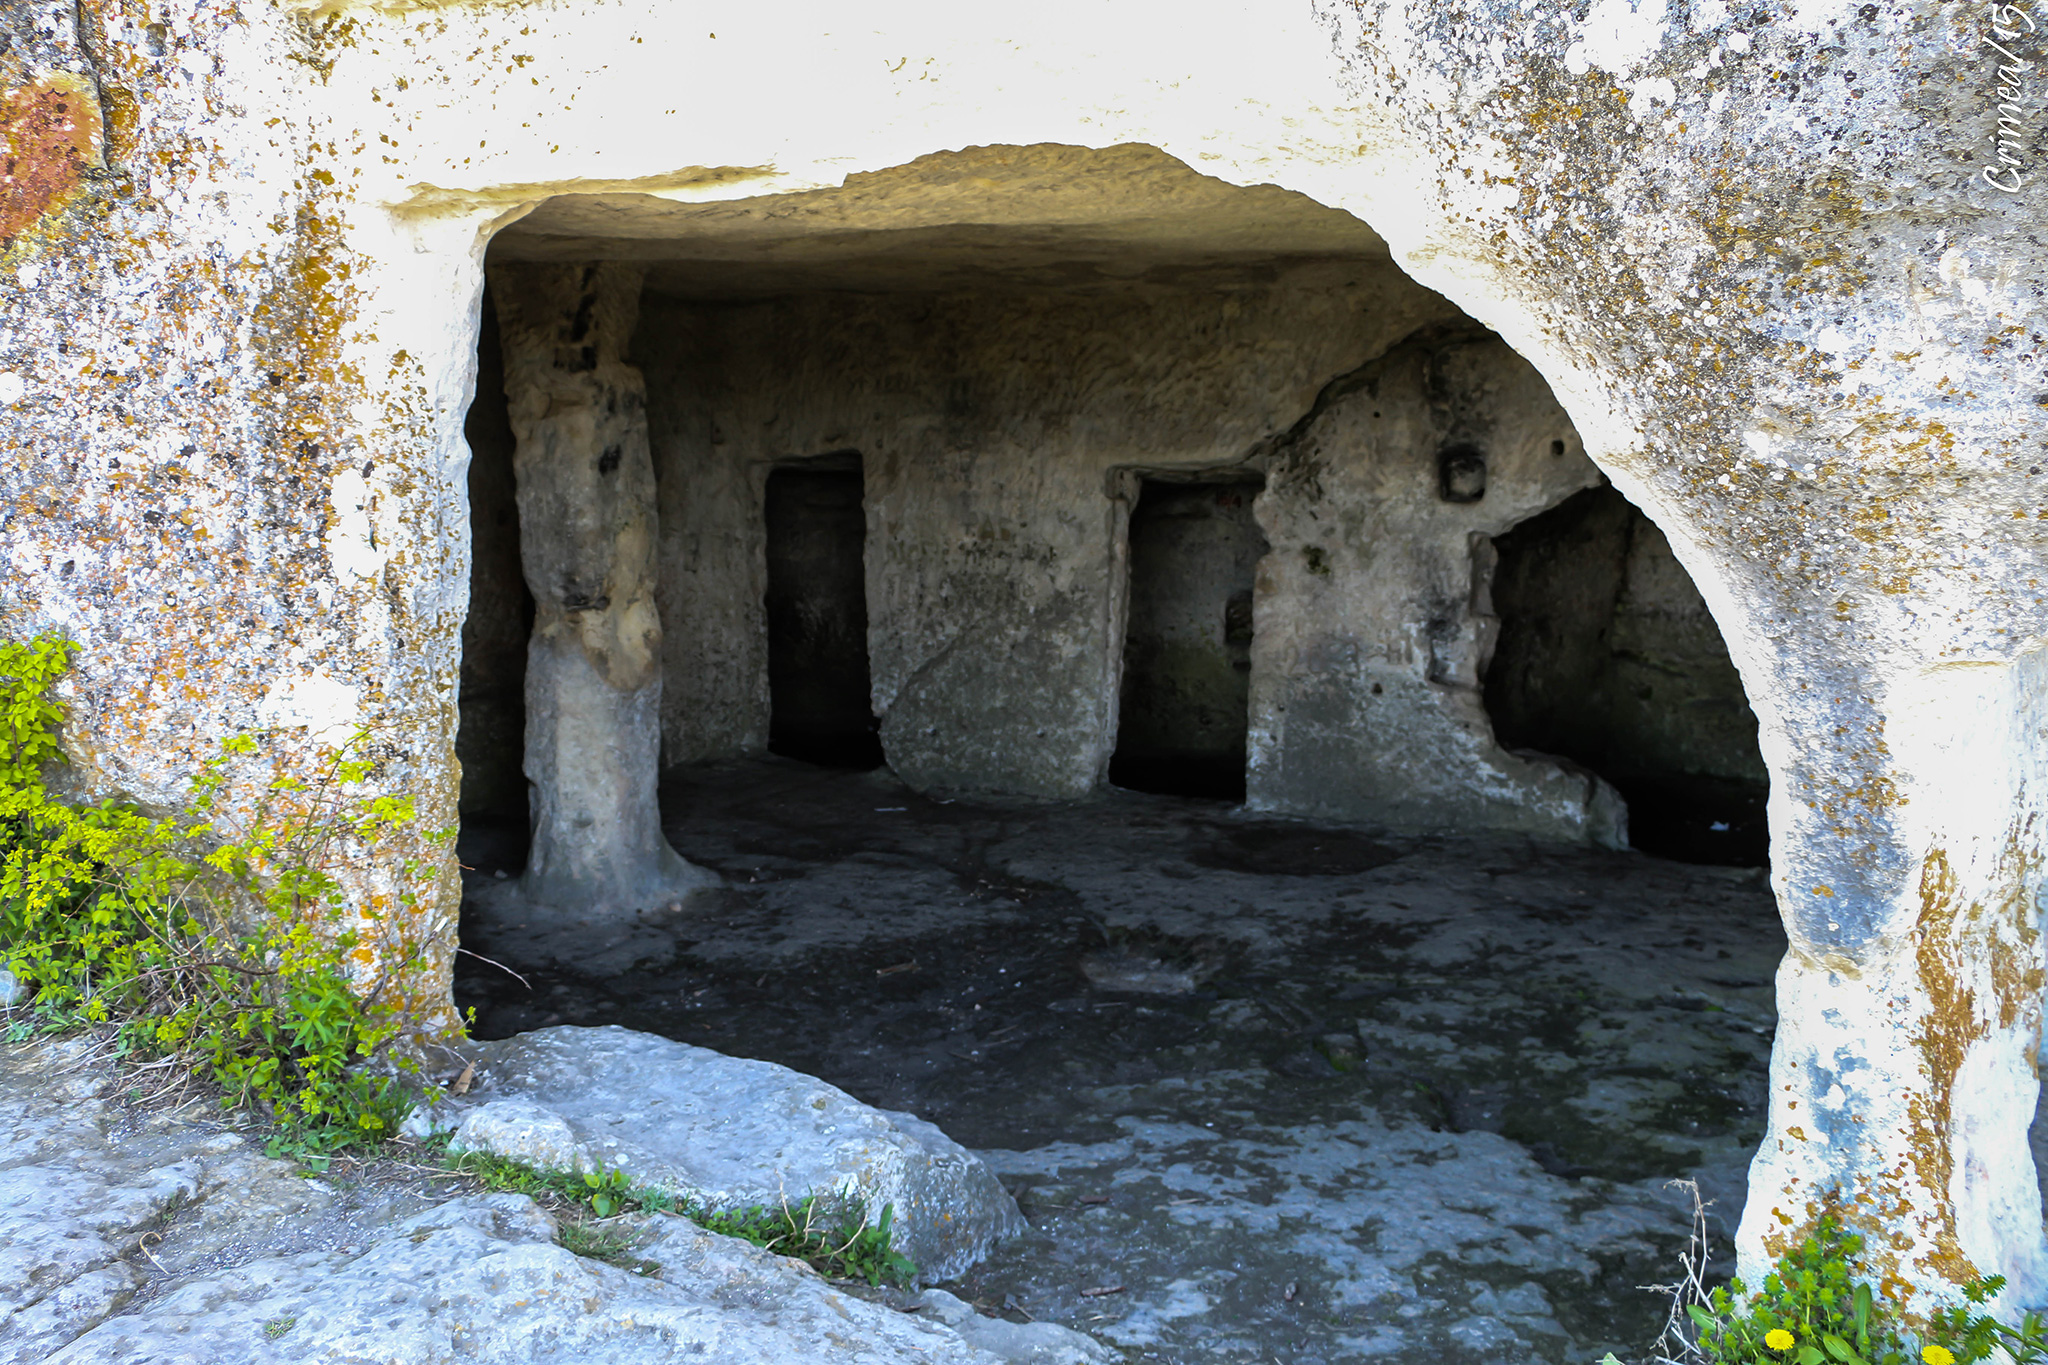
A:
{"points": [[1903, 1076], [587, 533]]}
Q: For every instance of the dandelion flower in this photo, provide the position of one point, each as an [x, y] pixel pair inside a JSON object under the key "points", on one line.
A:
{"points": [[1937, 1355], [1778, 1339]]}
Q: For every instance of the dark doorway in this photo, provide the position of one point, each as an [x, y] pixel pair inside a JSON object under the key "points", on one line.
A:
{"points": [[1607, 656], [490, 736], [820, 708], [1194, 553]]}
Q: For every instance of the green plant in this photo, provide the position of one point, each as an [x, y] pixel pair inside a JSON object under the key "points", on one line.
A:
{"points": [[604, 1193], [834, 1237], [836, 1240], [1816, 1307], [1809, 1310], [605, 1244], [213, 933]]}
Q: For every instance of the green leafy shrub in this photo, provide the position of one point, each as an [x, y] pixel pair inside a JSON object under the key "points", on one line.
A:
{"points": [[1815, 1308], [216, 937], [834, 1237]]}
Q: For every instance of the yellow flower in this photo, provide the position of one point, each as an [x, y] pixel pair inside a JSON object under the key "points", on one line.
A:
{"points": [[1778, 1339], [1937, 1355]]}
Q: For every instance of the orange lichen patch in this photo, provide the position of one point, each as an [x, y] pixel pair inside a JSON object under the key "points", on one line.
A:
{"points": [[51, 131], [1977, 966], [1952, 938], [1952, 1024]]}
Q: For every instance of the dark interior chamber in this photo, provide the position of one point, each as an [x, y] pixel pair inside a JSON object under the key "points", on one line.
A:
{"points": [[1194, 553], [820, 706], [490, 736], [1608, 656]]}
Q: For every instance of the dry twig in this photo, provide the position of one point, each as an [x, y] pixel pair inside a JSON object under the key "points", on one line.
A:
{"points": [[1677, 1346]]}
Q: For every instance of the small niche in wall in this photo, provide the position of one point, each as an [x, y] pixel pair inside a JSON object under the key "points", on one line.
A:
{"points": [[821, 708], [1194, 553]]}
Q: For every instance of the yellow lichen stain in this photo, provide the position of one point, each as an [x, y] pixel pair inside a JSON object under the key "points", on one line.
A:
{"points": [[1905, 1210]]}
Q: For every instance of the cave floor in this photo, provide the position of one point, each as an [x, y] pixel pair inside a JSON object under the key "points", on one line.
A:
{"points": [[1266, 1090]]}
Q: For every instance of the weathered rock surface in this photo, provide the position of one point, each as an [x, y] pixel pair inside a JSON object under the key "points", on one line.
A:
{"points": [[1029, 1343], [482, 1279], [132, 1230], [1776, 262], [729, 1132], [99, 1197], [998, 550]]}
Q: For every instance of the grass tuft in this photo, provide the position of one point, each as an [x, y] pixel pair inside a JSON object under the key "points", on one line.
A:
{"points": [[833, 1236]]}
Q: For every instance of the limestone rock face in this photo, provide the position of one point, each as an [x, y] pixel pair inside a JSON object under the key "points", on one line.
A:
{"points": [[482, 1279], [998, 550], [1003, 439], [133, 1232], [1374, 618], [729, 1132], [95, 1200], [1027, 1343], [1782, 268]]}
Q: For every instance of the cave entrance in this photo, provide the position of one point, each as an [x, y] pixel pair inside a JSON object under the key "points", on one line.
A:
{"points": [[1182, 714], [1607, 656], [1038, 571], [820, 707]]}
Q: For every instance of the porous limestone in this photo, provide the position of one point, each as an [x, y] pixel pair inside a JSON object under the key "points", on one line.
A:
{"points": [[998, 536], [99, 1197], [1365, 675], [727, 1133], [138, 1228], [1781, 268], [483, 1279], [1027, 1343]]}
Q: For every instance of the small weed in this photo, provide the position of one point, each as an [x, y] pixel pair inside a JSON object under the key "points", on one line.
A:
{"points": [[277, 1327], [222, 938], [836, 1241], [173, 1206], [603, 1244], [603, 1193], [1815, 1308], [834, 1238]]}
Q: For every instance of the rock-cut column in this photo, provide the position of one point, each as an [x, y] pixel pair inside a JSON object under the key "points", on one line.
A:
{"points": [[587, 539]]}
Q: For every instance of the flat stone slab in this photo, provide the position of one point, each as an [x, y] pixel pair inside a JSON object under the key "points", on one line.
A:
{"points": [[482, 1279], [727, 1132], [139, 1230]]}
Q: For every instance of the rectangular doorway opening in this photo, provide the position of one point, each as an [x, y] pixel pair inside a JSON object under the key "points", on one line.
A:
{"points": [[1194, 554], [821, 708]]}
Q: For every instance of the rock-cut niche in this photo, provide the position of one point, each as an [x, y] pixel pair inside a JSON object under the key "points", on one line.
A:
{"points": [[1031, 470]]}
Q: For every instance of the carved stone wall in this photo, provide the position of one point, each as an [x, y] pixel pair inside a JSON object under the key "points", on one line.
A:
{"points": [[1752, 252]]}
